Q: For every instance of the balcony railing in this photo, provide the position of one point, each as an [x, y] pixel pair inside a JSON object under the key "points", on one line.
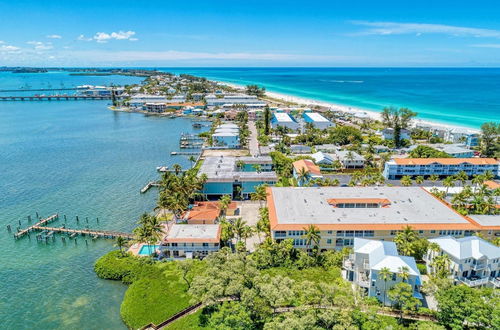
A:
{"points": [[472, 283], [495, 282], [478, 266], [363, 282], [190, 248]]}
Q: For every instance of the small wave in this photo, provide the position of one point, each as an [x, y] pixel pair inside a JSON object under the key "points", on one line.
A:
{"points": [[344, 81]]}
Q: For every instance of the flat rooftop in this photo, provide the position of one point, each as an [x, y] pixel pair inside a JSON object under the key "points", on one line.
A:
{"points": [[316, 117], [487, 220], [283, 117], [297, 207], [180, 233], [224, 169]]}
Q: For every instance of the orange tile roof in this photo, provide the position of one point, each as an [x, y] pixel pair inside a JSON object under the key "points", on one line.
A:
{"points": [[308, 165], [492, 184], [206, 211], [445, 161]]}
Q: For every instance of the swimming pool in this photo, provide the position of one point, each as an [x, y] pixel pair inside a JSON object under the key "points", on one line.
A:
{"points": [[147, 249]]}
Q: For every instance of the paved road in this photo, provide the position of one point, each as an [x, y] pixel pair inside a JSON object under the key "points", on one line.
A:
{"points": [[253, 144]]}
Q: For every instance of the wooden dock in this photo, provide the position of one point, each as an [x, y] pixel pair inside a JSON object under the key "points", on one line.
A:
{"points": [[53, 98], [89, 232], [42, 222], [185, 153], [149, 185]]}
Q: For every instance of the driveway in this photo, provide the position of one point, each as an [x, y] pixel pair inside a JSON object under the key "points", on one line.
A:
{"points": [[253, 144]]}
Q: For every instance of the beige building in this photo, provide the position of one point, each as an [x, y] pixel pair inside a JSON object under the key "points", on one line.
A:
{"points": [[190, 241], [343, 213]]}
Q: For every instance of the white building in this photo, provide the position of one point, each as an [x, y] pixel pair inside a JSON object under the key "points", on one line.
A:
{"points": [[285, 120], [398, 167], [456, 135], [369, 258], [230, 100], [473, 261], [388, 134], [321, 158], [317, 120], [139, 100], [350, 159], [455, 150], [190, 241]]}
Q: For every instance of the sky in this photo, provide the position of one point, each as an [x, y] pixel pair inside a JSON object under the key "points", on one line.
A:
{"points": [[194, 33]]}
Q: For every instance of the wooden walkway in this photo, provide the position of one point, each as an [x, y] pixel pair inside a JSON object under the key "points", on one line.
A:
{"points": [[149, 185], [42, 222], [90, 232]]}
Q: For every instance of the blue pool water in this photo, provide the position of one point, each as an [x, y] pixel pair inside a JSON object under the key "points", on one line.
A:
{"points": [[147, 250]]}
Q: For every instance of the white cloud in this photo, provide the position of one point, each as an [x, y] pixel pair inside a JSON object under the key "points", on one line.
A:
{"points": [[41, 45], [2, 42], [486, 45], [8, 48], [395, 28], [103, 37], [54, 36]]}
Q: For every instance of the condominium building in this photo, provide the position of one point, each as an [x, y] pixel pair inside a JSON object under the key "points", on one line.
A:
{"points": [[369, 257], [236, 176], [231, 100], [190, 241], [285, 120], [343, 213], [398, 167], [317, 120], [473, 261]]}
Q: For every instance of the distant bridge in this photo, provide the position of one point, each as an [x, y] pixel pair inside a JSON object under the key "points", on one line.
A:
{"points": [[53, 97]]}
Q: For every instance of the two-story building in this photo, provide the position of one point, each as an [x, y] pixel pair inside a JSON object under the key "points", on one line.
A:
{"points": [[398, 167], [304, 170], [190, 241], [343, 213], [369, 257], [285, 120], [473, 260], [317, 120]]}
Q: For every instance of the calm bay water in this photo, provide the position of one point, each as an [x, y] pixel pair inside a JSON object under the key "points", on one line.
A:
{"points": [[73, 158], [460, 96]]}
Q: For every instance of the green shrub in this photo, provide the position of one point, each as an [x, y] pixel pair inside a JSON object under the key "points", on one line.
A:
{"points": [[422, 268]]}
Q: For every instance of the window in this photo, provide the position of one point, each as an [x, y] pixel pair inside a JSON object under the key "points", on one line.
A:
{"points": [[329, 241], [205, 244], [330, 232], [349, 233], [340, 233], [339, 242], [174, 244], [433, 231]]}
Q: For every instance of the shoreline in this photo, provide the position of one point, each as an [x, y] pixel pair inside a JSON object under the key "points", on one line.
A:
{"points": [[347, 109]]}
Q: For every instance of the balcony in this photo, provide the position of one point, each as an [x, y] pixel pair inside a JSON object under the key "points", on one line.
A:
{"points": [[473, 282], [478, 266], [495, 282], [190, 248], [349, 263], [363, 281]]}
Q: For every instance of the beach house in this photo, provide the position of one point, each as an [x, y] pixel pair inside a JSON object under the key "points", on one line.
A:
{"points": [[226, 136], [369, 258], [456, 135], [190, 241], [285, 120], [388, 134], [456, 150], [317, 120], [236, 176], [399, 167], [349, 159], [305, 170], [343, 213], [472, 260]]}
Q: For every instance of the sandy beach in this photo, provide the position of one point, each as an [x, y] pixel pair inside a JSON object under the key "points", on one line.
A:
{"points": [[359, 112]]}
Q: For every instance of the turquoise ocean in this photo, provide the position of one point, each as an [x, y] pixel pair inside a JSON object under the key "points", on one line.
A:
{"points": [[459, 96], [79, 158]]}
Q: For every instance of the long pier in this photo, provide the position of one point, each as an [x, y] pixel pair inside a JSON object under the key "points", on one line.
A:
{"points": [[90, 232], [149, 185], [42, 222], [53, 98], [38, 90]]}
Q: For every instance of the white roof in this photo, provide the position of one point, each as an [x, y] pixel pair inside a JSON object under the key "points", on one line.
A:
{"points": [[486, 219], [226, 134], [178, 231], [320, 156], [283, 117], [467, 247], [316, 117], [228, 125]]}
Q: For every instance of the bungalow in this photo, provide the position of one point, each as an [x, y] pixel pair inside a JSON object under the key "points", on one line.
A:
{"points": [[307, 167], [207, 212], [190, 241], [350, 159], [364, 266], [321, 158], [473, 260], [456, 135]]}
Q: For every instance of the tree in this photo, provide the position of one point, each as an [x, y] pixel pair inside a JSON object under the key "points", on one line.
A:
{"points": [[224, 202], [120, 242], [397, 119], [404, 273], [149, 230], [401, 295], [303, 176], [192, 159], [385, 274], [231, 315], [462, 177], [185, 266], [260, 194], [255, 90], [404, 241], [490, 143], [423, 151], [449, 182], [267, 120], [434, 178], [406, 181], [419, 179], [257, 168], [312, 236], [342, 135], [441, 266]]}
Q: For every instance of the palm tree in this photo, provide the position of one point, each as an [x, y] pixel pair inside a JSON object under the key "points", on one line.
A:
{"points": [[448, 182], [240, 164], [440, 265], [224, 202], [239, 228], [120, 243], [192, 159], [462, 177], [312, 235], [397, 119], [434, 178], [385, 274], [260, 194], [406, 181], [303, 176], [404, 273], [177, 169], [257, 168], [405, 239], [419, 179]]}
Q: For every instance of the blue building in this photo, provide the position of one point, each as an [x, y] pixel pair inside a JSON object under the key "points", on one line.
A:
{"points": [[236, 176], [472, 140], [227, 136]]}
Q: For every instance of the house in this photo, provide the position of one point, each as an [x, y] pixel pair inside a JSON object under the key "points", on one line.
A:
{"points": [[472, 140], [190, 241], [312, 171], [300, 149], [343, 213], [455, 150], [207, 212], [321, 158], [398, 167], [457, 135], [317, 120], [235, 176], [227, 136], [369, 257], [330, 148], [283, 119], [388, 134], [350, 159], [473, 260]]}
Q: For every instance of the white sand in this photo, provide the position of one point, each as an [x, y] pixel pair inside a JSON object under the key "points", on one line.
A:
{"points": [[353, 110]]}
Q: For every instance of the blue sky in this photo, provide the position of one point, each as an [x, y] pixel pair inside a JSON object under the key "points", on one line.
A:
{"points": [[250, 33]]}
